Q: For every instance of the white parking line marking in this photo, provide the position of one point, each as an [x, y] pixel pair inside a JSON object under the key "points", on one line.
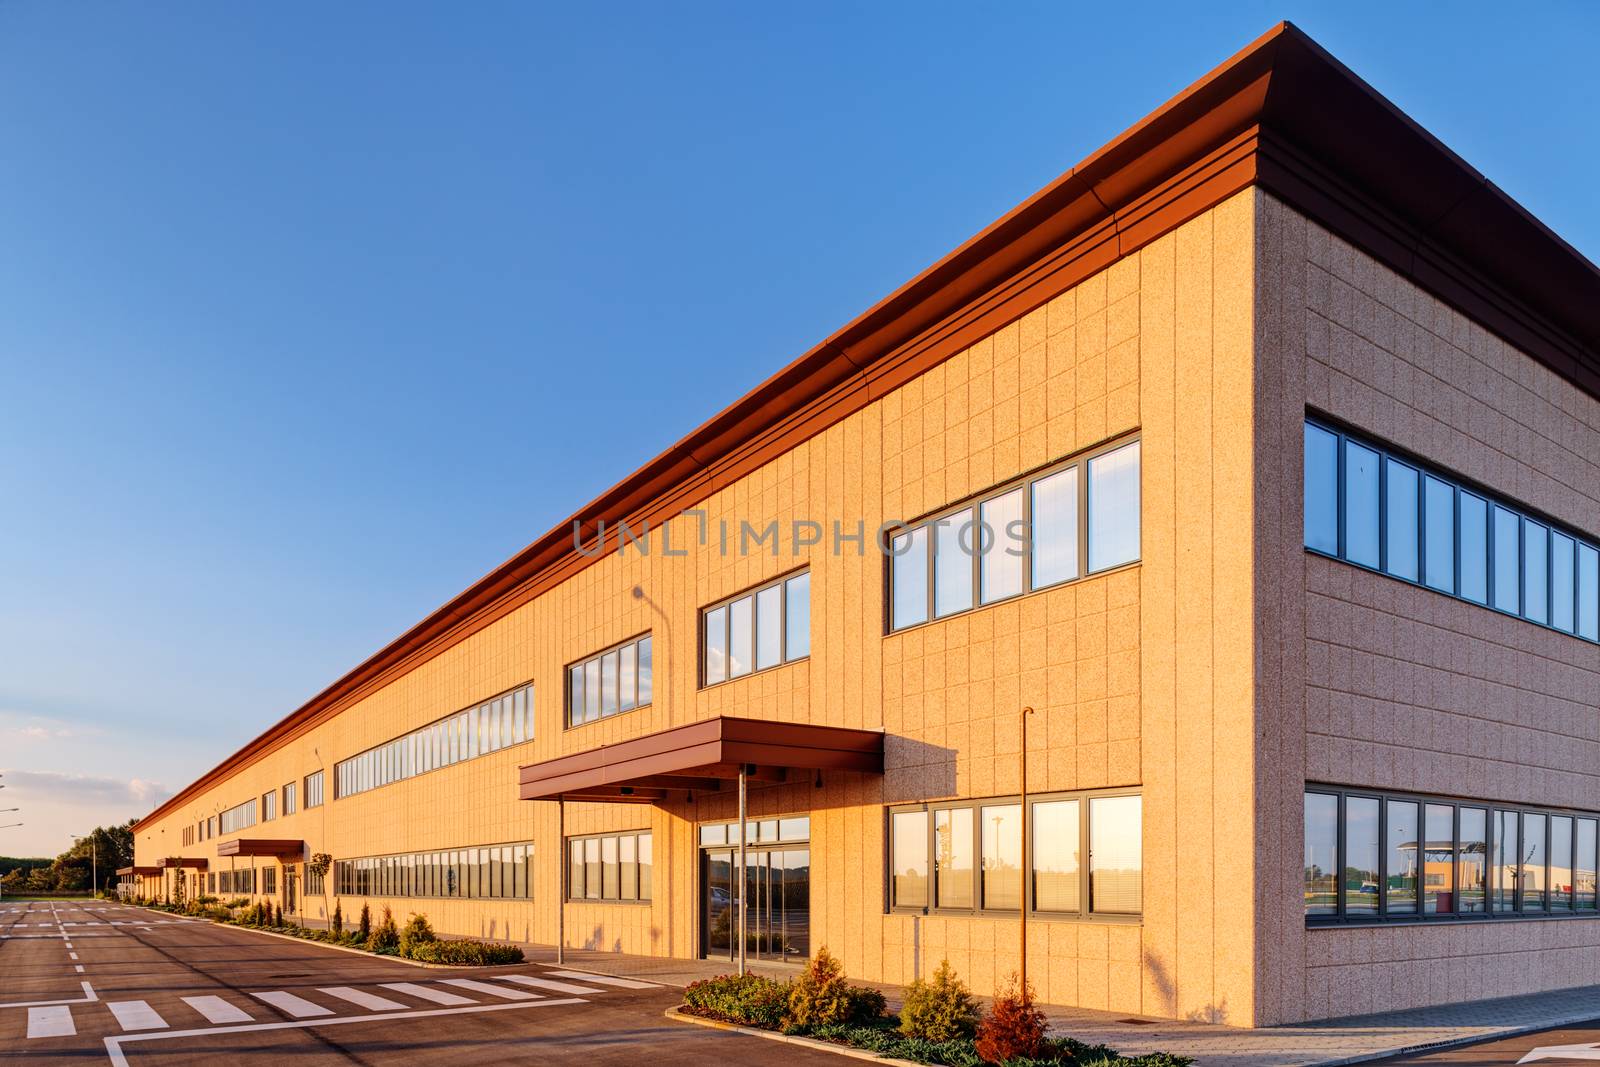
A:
{"points": [[217, 1010], [422, 992], [137, 1015], [74, 955], [606, 979], [493, 990], [296, 1006], [50, 1022], [545, 983], [119, 1058], [78, 968], [370, 1001]]}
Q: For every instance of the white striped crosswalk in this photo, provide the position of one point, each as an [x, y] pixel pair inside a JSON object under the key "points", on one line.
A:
{"points": [[269, 1006]]}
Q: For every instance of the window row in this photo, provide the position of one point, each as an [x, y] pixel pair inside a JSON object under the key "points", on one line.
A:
{"points": [[1085, 856], [188, 835], [609, 682], [1371, 857], [497, 871], [243, 881], [756, 831], [763, 628], [239, 816], [495, 724], [1381, 511], [1075, 519], [610, 867]]}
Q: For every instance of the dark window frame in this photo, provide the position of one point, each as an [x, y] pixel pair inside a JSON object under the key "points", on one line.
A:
{"points": [[566, 680], [1086, 911], [1460, 485], [975, 502], [1341, 916], [781, 583], [567, 889]]}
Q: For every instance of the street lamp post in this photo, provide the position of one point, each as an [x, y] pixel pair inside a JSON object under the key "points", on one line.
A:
{"points": [[1027, 867]]}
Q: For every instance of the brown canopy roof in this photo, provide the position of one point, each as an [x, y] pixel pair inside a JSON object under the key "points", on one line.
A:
{"points": [[260, 846], [175, 862], [139, 872], [701, 757]]}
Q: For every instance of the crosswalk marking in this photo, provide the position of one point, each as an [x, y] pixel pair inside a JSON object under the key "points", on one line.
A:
{"points": [[370, 1001], [605, 979], [545, 983], [501, 991], [51, 1022], [296, 1006], [137, 1015], [217, 1010], [422, 992]]}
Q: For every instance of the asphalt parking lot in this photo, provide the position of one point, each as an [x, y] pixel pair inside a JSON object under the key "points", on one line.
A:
{"points": [[98, 982]]}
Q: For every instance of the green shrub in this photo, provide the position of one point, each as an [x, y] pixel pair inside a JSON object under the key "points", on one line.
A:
{"points": [[750, 998], [364, 927], [940, 1010], [385, 937], [1014, 1028], [821, 997], [466, 953], [416, 932], [338, 918]]}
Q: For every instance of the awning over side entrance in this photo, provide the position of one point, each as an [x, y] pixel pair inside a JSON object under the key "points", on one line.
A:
{"points": [[702, 757], [260, 846], [138, 872], [175, 862]]}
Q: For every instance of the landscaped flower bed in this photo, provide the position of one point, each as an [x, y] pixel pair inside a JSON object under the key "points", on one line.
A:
{"points": [[939, 1025], [416, 941]]}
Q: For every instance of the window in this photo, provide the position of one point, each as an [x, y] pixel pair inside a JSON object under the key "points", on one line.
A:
{"points": [[487, 727], [610, 867], [269, 805], [239, 817], [1463, 859], [1384, 512], [291, 799], [974, 851], [269, 880], [316, 884], [753, 631], [313, 786], [1078, 518], [211, 827], [609, 682], [492, 871]]}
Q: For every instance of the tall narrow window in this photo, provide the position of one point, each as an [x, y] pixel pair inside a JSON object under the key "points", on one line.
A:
{"points": [[1583, 874], [1474, 548], [910, 570], [769, 627], [1438, 859], [952, 563], [1114, 508], [1056, 856], [952, 843], [1535, 571], [1404, 857], [1535, 870], [1505, 866], [1563, 582], [1322, 854], [1560, 863], [1002, 856], [1321, 490], [1360, 504], [1474, 857], [797, 617], [908, 833], [1361, 855], [1439, 542], [1588, 593], [716, 624], [1507, 560], [1116, 850], [1400, 526], [1055, 528], [628, 677], [1001, 547], [741, 634]]}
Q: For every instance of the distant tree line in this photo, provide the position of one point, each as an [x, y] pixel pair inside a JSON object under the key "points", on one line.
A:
{"points": [[106, 848]]}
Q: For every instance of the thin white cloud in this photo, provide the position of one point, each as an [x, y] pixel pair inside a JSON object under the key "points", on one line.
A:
{"points": [[84, 789]]}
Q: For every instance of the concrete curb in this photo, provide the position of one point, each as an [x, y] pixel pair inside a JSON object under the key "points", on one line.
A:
{"points": [[772, 1035], [341, 948]]}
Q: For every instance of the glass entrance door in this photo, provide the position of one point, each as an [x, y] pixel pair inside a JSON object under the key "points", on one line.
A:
{"points": [[289, 895], [778, 888]]}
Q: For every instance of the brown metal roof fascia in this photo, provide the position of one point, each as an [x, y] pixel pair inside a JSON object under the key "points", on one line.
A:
{"points": [[717, 745], [1281, 113], [178, 862], [256, 846]]}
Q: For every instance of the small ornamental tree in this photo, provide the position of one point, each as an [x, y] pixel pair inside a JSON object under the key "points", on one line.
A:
{"points": [[821, 997], [1014, 1028], [338, 919], [939, 1010], [417, 932], [385, 937], [364, 927]]}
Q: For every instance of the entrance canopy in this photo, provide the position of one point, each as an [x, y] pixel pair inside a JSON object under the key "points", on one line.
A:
{"points": [[260, 846], [702, 757], [138, 872], [172, 863]]}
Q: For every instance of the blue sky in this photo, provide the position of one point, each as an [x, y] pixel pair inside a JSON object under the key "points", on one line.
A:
{"points": [[311, 314]]}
